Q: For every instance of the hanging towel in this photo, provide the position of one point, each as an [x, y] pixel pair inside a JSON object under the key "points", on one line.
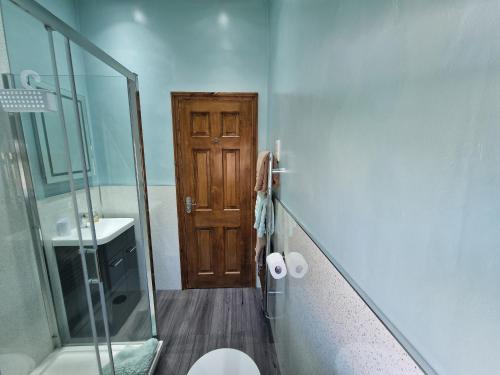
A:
{"points": [[133, 360], [259, 256], [260, 214], [261, 201], [263, 172], [261, 217]]}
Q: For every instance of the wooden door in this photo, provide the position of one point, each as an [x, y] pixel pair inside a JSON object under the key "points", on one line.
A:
{"points": [[215, 156]]}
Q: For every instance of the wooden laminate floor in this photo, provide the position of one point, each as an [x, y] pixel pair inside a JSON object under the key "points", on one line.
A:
{"points": [[195, 321]]}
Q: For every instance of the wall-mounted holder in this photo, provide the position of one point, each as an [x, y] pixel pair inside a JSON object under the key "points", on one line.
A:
{"points": [[28, 99], [265, 305], [279, 170], [293, 265], [273, 273], [276, 265]]}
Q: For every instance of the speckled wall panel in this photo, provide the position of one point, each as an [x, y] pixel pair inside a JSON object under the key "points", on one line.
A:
{"points": [[322, 325], [24, 330]]}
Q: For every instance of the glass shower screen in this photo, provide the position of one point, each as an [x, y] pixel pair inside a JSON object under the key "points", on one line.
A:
{"points": [[85, 189]]}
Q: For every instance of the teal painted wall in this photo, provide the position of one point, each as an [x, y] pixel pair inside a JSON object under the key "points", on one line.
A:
{"points": [[28, 48], [174, 46], [177, 45], [388, 114], [27, 43], [108, 100]]}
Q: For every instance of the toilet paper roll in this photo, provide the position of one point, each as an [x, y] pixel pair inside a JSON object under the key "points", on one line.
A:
{"points": [[276, 265], [296, 265]]}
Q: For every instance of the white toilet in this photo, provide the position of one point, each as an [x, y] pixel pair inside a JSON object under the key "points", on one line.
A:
{"points": [[224, 362]]}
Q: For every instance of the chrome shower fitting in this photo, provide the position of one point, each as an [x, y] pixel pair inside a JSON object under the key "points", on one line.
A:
{"points": [[28, 99]]}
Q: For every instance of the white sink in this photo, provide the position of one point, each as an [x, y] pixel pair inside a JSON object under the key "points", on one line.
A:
{"points": [[106, 230]]}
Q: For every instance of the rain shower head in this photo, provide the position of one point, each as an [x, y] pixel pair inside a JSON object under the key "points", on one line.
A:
{"points": [[28, 99]]}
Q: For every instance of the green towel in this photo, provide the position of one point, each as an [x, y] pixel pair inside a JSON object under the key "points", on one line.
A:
{"points": [[133, 360], [261, 215]]}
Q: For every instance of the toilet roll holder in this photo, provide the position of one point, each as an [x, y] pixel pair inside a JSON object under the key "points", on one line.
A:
{"points": [[273, 293], [278, 269], [267, 277]]}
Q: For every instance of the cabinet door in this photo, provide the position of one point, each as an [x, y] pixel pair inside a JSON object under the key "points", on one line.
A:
{"points": [[71, 277], [116, 270], [133, 282]]}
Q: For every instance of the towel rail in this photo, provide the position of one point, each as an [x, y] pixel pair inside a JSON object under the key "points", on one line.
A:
{"points": [[268, 231], [279, 170]]}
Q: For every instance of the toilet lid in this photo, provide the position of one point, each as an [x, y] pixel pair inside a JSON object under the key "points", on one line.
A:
{"points": [[224, 362]]}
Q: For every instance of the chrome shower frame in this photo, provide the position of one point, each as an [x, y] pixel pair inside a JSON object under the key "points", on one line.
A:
{"points": [[52, 23]]}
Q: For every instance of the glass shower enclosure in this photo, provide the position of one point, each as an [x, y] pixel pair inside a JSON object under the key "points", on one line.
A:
{"points": [[77, 287]]}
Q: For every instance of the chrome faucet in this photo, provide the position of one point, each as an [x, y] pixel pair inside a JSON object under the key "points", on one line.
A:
{"points": [[84, 220]]}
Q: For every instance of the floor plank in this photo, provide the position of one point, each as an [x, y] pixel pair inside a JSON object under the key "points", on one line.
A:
{"points": [[195, 321]]}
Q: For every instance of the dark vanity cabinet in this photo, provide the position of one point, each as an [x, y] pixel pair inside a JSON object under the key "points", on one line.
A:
{"points": [[119, 271]]}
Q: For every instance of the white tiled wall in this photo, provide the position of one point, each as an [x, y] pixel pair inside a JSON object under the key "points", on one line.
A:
{"points": [[122, 200], [322, 325], [51, 209], [166, 256]]}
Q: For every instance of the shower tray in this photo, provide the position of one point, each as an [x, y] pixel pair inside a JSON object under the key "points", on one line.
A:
{"points": [[81, 360]]}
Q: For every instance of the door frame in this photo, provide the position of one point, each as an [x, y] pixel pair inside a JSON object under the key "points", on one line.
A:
{"points": [[176, 98]]}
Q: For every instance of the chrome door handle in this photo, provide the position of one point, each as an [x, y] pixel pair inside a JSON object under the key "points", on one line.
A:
{"points": [[189, 205]]}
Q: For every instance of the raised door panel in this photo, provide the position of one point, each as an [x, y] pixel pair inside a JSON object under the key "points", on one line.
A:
{"points": [[202, 179], [231, 176], [205, 238], [200, 124], [232, 251], [230, 124]]}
